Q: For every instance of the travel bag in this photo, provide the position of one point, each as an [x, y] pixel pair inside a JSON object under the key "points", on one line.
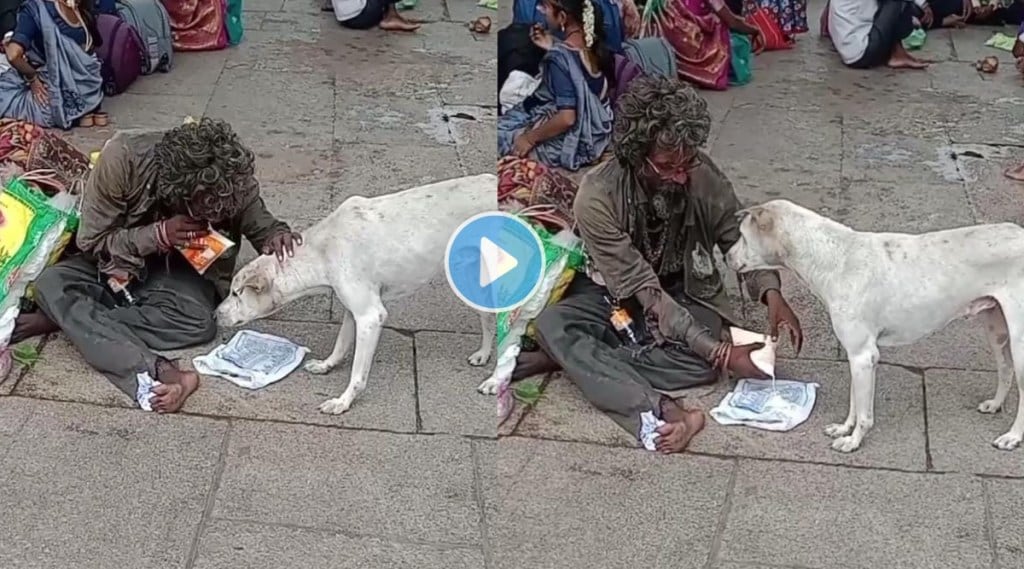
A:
{"points": [[120, 54], [150, 20]]}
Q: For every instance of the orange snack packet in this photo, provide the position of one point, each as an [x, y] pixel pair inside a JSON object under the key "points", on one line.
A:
{"points": [[213, 246]]}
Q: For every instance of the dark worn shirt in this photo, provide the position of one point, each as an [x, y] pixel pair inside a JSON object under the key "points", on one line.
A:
{"points": [[120, 212], [704, 217]]}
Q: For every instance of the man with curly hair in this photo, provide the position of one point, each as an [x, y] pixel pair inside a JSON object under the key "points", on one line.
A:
{"points": [[129, 291], [651, 315]]}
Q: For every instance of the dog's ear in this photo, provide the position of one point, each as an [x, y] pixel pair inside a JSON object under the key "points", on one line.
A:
{"points": [[257, 282], [763, 219]]}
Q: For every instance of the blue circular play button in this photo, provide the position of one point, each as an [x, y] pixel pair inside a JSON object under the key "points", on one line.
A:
{"points": [[494, 262]]}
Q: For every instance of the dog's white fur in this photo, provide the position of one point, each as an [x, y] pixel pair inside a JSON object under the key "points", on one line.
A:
{"points": [[892, 289], [369, 252]]}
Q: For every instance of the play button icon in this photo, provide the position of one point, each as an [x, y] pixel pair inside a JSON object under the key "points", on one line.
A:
{"points": [[494, 262]]}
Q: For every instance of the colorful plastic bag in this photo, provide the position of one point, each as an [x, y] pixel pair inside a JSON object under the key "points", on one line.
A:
{"points": [[742, 54]]}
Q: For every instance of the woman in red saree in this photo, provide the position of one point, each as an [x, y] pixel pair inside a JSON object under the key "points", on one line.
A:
{"points": [[198, 25], [698, 33]]}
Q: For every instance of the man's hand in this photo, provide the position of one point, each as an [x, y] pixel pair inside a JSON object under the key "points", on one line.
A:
{"points": [[182, 231], [740, 364], [282, 244], [779, 313]]}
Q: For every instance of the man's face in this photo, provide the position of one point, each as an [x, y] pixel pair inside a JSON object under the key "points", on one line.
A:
{"points": [[671, 164]]}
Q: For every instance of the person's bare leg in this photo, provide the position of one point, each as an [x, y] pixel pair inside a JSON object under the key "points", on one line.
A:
{"points": [[32, 324], [176, 386], [1015, 173], [529, 364], [900, 59], [680, 427], [394, 22]]}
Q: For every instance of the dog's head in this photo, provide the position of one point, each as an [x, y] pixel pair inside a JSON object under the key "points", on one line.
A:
{"points": [[253, 294], [764, 239]]}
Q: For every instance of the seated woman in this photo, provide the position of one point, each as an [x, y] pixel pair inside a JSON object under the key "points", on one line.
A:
{"points": [[567, 123], [698, 31], [54, 79], [790, 14], [870, 33]]}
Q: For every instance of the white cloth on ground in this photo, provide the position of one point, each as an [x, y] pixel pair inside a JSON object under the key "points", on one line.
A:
{"points": [[252, 360], [769, 404], [516, 89], [345, 10]]}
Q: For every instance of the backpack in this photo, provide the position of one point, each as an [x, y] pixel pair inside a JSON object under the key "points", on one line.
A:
{"points": [[149, 18], [120, 54], [8, 15]]}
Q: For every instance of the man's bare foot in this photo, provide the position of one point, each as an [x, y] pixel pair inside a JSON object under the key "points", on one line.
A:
{"points": [[1015, 173], [394, 22], [906, 62], [176, 386], [32, 324], [680, 427]]}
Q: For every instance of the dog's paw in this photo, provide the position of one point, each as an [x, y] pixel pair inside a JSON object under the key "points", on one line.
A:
{"points": [[1008, 441], [489, 387], [989, 406], [479, 358], [846, 444], [335, 406], [318, 367], [836, 430]]}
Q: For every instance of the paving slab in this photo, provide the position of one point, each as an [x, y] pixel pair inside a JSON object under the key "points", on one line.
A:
{"points": [[14, 413], [911, 206], [130, 110], [96, 488], [994, 198], [601, 507], [961, 345], [897, 440], [192, 74], [234, 545], [960, 436], [1007, 501], [805, 170], [475, 139], [375, 169], [17, 369], [970, 44], [390, 118], [564, 414], [352, 481], [828, 517], [446, 384], [434, 307], [387, 403]]}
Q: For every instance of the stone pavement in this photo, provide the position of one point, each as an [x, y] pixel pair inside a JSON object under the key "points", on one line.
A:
{"points": [[409, 478], [263, 480], [881, 150]]}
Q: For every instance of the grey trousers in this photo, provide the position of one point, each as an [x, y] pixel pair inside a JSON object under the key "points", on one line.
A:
{"points": [[173, 309], [620, 380]]}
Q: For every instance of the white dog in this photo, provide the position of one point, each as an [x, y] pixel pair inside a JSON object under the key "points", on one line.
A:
{"points": [[368, 252], [892, 289]]}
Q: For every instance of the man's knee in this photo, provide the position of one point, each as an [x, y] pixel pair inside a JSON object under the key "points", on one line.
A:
{"points": [[548, 322], [51, 284], [207, 328]]}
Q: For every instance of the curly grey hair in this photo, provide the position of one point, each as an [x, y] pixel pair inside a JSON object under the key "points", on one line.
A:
{"points": [[658, 112]]}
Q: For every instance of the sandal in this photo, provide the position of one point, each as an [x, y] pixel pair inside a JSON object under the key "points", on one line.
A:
{"points": [[101, 119], [481, 25], [988, 65], [86, 121]]}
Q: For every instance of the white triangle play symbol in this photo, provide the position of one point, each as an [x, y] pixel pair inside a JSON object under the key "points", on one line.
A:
{"points": [[495, 262]]}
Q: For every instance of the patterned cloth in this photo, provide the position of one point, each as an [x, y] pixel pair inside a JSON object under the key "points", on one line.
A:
{"points": [[698, 38], [525, 184], [47, 160], [791, 14]]}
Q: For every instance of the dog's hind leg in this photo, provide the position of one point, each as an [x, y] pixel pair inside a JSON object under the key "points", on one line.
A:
{"points": [[369, 315], [342, 347], [1013, 309], [863, 357], [999, 340], [487, 331]]}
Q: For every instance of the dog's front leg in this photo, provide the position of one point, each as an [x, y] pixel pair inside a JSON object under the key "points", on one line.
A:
{"points": [[862, 398], [487, 331], [369, 322], [342, 347], [836, 430]]}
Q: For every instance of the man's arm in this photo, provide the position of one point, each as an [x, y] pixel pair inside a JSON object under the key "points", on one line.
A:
{"points": [[258, 225], [120, 250], [627, 273], [727, 233]]}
